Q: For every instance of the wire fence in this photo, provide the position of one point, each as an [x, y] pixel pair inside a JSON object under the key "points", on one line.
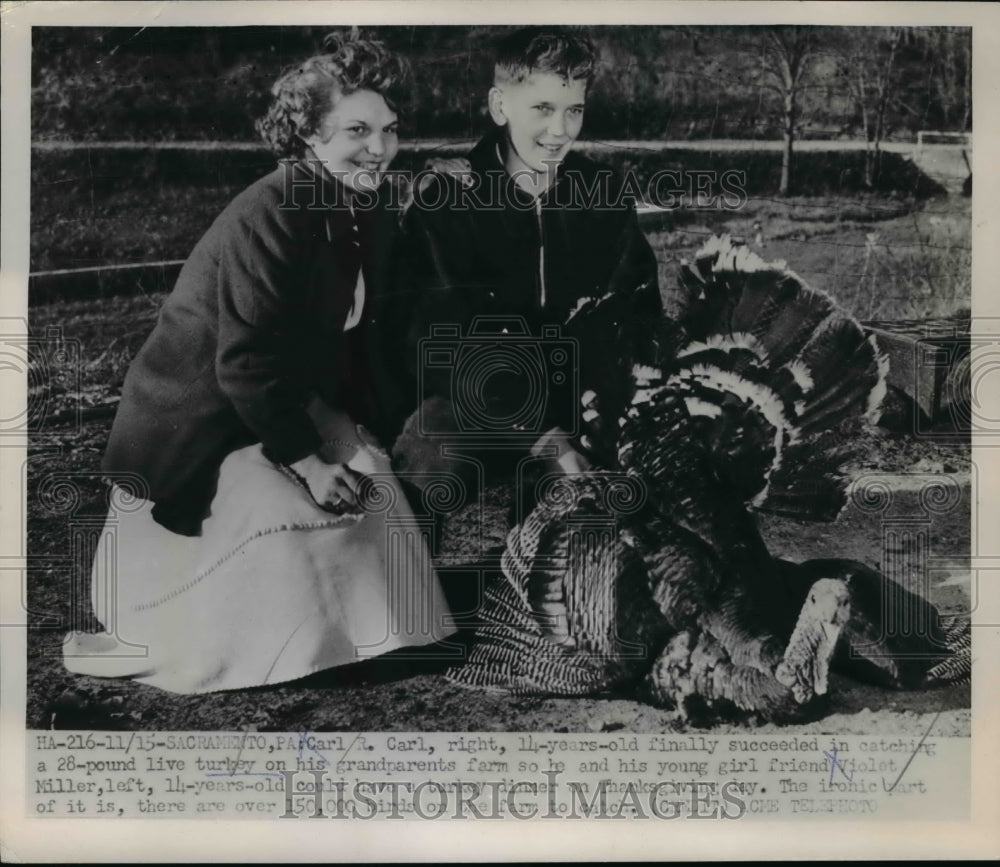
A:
{"points": [[879, 254]]}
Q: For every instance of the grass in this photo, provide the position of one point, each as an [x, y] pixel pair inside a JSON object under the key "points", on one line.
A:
{"points": [[880, 259], [101, 206], [894, 253]]}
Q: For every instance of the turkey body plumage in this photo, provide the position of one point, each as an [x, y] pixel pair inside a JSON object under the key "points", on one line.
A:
{"points": [[651, 578]]}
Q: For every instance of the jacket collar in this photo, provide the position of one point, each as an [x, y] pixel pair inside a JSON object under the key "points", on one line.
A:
{"points": [[487, 157], [348, 215]]}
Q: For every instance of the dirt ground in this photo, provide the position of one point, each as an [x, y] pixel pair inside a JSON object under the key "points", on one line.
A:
{"points": [[409, 693]]}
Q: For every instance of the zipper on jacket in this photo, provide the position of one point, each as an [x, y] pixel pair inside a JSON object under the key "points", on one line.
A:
{"points": [[541, 238], [541, 254]]}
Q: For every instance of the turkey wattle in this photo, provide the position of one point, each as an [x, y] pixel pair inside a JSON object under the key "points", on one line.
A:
{"points": [[668, 590]]}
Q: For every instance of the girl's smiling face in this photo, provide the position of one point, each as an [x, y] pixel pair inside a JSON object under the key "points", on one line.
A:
{"points": [[357, 140]]}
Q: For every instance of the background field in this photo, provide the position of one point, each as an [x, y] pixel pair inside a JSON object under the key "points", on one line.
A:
{"points": [[900, 251]]}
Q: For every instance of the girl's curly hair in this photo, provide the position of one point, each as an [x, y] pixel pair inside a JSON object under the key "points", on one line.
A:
{"points": [[305, 94]]}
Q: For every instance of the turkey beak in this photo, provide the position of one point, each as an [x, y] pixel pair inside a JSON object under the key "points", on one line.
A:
{"points": [[841, 614], [831, 632]]}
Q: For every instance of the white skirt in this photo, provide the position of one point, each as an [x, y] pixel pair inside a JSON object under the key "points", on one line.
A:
{"points": [[274, 589]]}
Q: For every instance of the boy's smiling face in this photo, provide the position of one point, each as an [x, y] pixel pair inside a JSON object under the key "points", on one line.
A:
{"points": [[543, 115]]}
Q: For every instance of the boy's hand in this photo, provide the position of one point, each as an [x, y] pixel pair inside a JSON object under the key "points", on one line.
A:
{"points": [[570, 461], [597, 439], [333, 486], [574, 463]]}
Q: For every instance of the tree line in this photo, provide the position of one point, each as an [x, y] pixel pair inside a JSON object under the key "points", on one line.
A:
{"points": [[654, 82]]}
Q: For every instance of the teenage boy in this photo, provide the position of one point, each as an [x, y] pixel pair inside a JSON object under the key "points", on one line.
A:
{"points": [[509, 256]]}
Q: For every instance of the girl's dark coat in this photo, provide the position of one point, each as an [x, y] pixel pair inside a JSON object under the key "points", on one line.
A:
{"points": [[252, 330]]}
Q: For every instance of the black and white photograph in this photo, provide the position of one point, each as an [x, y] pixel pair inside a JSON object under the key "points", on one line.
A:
{"points": [[430, 417]]}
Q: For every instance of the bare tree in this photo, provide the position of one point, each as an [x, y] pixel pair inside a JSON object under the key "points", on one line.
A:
{"points": [[869, 69], [948, 53], [785, 56]]}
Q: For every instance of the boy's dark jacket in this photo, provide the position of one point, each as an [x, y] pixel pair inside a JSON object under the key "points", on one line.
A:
{"points": [[475, 253], [253, 328]]}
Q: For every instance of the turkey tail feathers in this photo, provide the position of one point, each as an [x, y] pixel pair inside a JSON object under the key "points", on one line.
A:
{"points": [[957, 668], [777, 367], [555, 621]]}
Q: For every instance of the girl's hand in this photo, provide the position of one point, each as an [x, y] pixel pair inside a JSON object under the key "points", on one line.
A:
{"points": [[458, 167], [333, 486]]}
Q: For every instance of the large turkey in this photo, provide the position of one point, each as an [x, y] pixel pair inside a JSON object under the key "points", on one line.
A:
{"points": [[650, 577]]}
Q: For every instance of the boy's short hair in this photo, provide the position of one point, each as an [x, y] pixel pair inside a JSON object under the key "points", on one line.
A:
{"points": [[556, 50]]}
